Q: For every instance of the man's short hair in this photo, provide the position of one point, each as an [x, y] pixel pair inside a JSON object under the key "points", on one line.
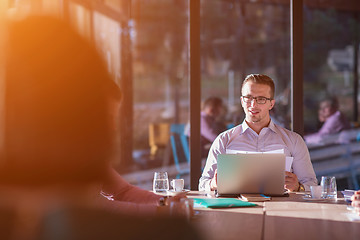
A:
{"points": [[260, 79], [213, 102]]}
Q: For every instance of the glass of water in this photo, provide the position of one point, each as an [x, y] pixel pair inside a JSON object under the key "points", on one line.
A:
{"points": [[328, 187], [161, 182]]}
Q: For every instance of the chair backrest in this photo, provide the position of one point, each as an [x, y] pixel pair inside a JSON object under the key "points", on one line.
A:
{"points": [[339, 160], [159, 134], [179, 144]]}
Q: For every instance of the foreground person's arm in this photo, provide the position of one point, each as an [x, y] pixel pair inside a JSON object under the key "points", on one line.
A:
{"points": [[121, 190], [119, 195]]}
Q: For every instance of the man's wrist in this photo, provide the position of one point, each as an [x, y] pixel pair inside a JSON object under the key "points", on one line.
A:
{"points": [[301, 188], [211, 184], [212, 187]]}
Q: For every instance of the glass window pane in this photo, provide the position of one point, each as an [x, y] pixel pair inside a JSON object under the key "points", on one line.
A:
{"points": [[107, 39], [161, 95], [19, 8], [114, 4], [240, 38], [52, 7], [330, 90], [81, 18]]}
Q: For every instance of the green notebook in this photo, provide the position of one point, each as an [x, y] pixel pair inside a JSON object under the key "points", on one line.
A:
{"points": [[222, 202]]}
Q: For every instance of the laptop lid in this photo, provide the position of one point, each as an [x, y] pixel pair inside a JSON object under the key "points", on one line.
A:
{"points": [[251, 173]]}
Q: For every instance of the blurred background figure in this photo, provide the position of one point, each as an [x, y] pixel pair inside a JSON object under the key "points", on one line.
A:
{"points": [[211, 123], [60, 116], [277, 118], [279, 113], [332, 120], [59, 109], [235, 116]]}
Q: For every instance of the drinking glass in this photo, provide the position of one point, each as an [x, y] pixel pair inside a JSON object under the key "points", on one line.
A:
{"points": [[316, 191], [161, 182], [328, 187]]}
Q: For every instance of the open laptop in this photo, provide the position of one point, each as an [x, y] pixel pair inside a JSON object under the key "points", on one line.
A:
{"points": [[250, 173]]}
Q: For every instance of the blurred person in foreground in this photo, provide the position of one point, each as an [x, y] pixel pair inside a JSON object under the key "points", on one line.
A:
{"points": [[355, 202], [210, 125], [333, 121], [60, 116], [258, 133]]}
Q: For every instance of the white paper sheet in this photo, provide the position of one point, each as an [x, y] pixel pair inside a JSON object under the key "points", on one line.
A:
{"points": [[231, 151], [288, 163], [288, 160]]}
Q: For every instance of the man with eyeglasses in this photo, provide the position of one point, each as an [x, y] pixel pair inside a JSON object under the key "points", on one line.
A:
{"points": [[258, 133]]}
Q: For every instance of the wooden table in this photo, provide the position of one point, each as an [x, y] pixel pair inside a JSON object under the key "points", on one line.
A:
{"points": [[229, 223], [281, 218]]}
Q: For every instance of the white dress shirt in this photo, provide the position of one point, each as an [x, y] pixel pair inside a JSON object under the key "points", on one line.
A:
{"points": [[273, 137]]}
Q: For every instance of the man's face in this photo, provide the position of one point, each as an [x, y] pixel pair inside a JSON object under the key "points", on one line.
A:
{"points": [[214, 111], [257, 113]]}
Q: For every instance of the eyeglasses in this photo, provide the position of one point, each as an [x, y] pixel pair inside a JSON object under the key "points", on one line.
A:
{"points": [[259, 100]]}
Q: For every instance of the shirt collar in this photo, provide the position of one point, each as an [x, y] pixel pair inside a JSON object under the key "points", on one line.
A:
{"points": [[245, 126], [272, 126]]}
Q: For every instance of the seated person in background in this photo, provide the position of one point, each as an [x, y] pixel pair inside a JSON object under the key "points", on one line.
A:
{"points": [[235, 116], [333, 120], [60, 116], [210, 125], [355, 202], [258, 133]]}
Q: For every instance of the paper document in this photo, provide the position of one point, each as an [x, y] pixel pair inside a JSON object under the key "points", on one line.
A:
{"points": [[254, 197], [288, 163], [231, 151], [221, 203]]}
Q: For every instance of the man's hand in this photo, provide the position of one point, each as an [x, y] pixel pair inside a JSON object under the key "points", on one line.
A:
{"points": [[213, 182], [291, 182]]}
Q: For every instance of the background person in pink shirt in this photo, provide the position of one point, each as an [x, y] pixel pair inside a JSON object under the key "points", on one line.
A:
{"points": [[333, 120], [210, 123]]}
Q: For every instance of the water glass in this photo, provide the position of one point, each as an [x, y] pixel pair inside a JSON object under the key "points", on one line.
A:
{"points": [[316, 191], [328, 187], [161, 182]]}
